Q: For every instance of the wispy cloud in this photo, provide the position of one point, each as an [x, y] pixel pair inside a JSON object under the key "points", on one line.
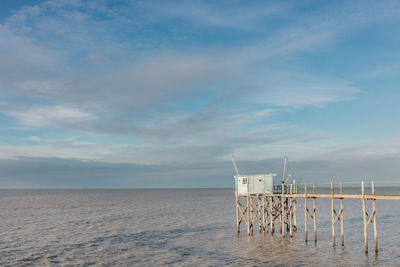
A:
{"points": [[45, 116], [247, 15], [306, 92], [382, 72]]}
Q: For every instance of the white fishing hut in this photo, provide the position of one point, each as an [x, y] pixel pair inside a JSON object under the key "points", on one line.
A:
{"points": [[263, 183], [255, 184]]}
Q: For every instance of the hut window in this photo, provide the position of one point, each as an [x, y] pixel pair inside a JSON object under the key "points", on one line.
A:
{"points": [[244, 181]]}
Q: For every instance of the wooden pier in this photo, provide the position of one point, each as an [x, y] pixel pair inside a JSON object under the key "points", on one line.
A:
{"points": [[267, 209]]}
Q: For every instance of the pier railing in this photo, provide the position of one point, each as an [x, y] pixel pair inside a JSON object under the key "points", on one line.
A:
{"points": [[287, 188]]}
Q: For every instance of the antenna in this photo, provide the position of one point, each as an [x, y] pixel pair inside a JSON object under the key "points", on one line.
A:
{"points": [[284, 169], [235, 166], [287, 179]]}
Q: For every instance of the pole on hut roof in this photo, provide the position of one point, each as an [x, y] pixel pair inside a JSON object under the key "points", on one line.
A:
{"points": [[235, 166]]}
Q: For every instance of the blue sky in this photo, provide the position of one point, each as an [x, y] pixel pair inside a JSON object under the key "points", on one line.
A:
{"points": [[162, 93]]}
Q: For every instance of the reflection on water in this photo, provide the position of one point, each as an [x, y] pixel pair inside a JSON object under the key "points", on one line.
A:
{"points": [[174, 227]]}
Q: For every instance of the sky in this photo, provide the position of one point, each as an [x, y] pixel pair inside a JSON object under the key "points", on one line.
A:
{"points": [[160, 94]]}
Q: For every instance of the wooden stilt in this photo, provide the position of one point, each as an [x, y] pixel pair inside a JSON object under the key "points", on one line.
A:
{"points": [[287, 213], [365, 218], [237, 214], [263, 214], [283, 213], [267, 221], [252, 217], [290, 217], [259, 214], [341, 214], [305, 214], [315, 215], [374, 218], [333, 214], [294, 214], [248, 215], [280, 214], [271, 218]]}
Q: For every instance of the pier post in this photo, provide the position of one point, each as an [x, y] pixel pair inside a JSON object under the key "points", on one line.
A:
{"points": [[283, 211], [341, 213], [290, 217], [259, 213], [271, 215], [365, 218], [248, 215], [305, 213], [374, 218], [267, 211], [315, 215], [294, 214], [252, 214], [263, 213], [333, 214], [237, 213], [279, 211], [287, 213]]}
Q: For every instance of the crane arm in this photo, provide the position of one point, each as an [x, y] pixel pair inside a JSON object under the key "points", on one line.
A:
{"points": [[235, 166]]}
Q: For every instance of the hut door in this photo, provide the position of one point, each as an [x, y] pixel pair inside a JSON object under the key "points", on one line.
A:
{"points": [[258, 185]]}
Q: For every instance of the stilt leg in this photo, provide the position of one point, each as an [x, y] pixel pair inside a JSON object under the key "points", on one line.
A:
{"points": [[333, 215], [305, 214], [365, 219], [315, 215]]}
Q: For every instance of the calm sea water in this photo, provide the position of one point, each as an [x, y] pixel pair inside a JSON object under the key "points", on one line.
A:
{"points": [[175, 228]]}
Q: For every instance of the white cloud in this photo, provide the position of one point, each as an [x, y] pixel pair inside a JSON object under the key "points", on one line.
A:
{"points": [[311, 94], [247, 16], [44, 116], [248, 117], [383, 71], [15, 152], [22, 58], [34, 138]]}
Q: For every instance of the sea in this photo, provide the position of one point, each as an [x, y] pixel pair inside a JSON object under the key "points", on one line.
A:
{"points": [[177, 227]]}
